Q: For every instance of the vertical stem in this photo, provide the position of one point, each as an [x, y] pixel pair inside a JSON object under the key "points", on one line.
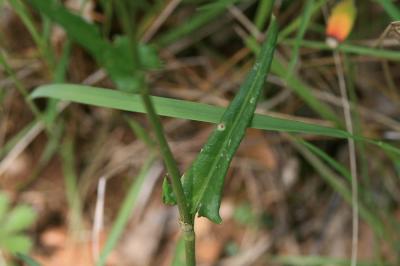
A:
{"points": [[187, 221], [127, 15], [352, 156]]}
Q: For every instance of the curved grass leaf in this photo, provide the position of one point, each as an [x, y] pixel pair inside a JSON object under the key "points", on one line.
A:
{"points": [[204, 180], [124, 101], [174, 108], [338, 184]]}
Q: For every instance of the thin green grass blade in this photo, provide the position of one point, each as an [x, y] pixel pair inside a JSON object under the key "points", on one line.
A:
{"points": [[188, 110], [305, 20], [27, 19], [295, 24], [198, 20], [391, 8], [125, 211], [350, 48], [203, 182], [173, 108], [328, 159], [140, 132], [264, 10], [312, 154], [16, 138]]}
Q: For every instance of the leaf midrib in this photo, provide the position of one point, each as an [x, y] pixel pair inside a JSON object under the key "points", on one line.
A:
{"points": [[235, 122]]}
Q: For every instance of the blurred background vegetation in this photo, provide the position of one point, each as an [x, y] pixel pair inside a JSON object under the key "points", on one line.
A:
{"points": [[74, 177]]}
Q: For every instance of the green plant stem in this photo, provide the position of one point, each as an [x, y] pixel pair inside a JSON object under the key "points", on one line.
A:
{"points": [[186, 219], [127, 15]]}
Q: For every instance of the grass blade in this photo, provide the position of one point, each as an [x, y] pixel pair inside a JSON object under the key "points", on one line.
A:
{"points": [[312, 154], [305, 20], [204, 181], [201, 18], [295, 23], [390, 8], [173, 108], [264, 9], [188, 110], [27, 19], [350, 48]]}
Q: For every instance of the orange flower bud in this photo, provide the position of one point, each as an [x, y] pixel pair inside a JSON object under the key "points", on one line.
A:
{"points": [[340, 22]]}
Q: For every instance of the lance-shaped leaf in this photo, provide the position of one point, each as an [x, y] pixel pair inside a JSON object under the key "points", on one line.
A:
{"points": [[204, 180]]}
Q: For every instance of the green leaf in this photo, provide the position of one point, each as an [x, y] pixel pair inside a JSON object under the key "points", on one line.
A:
{"points": [[112, 56], [173, 108], [187, 110], [204, 181], [20, 218], [16, 243], [77, 28]]}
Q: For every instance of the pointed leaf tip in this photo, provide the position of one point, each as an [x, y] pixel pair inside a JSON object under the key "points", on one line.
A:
{"points": [[203, 183]]}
